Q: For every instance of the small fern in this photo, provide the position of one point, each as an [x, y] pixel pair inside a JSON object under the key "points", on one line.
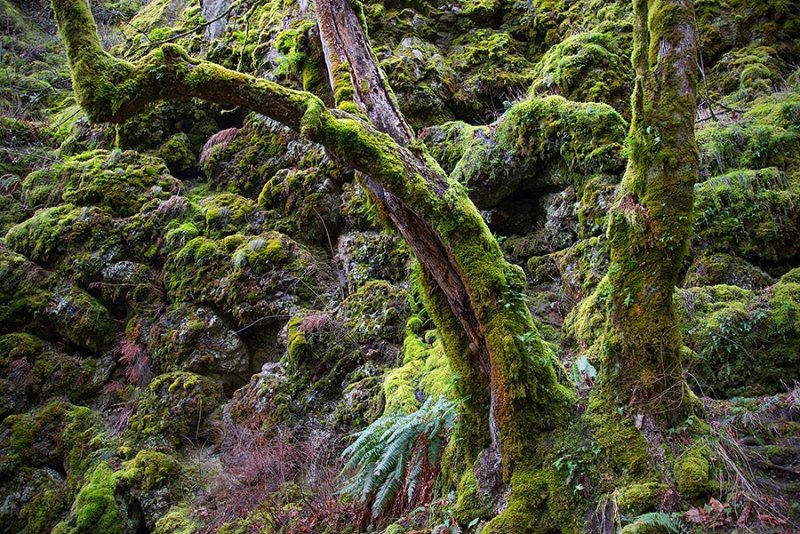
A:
{"points": [[398, 452], [670, 522]]}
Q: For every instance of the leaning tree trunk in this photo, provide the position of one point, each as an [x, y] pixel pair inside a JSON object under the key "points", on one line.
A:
{"points": [[650, 225], [475, 294]]}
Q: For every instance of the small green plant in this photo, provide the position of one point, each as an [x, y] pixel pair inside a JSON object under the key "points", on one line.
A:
{"points": [[394, 462]]}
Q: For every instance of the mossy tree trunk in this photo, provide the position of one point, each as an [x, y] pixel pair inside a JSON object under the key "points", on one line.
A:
{"points": [[476, 296], [650, 225]]}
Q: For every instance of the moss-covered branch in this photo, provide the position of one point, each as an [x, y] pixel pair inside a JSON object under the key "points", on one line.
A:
{"points": [[464, 264]]}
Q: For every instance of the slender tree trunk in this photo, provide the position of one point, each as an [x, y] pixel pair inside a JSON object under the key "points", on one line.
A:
{"points": [[650, 225], [476, 295]]}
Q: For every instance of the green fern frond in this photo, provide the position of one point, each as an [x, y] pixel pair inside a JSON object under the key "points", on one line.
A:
{"points": [[392, 451]]}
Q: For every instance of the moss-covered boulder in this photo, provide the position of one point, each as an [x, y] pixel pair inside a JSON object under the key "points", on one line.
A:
{"points": [[541, 143], [119, 181], [76, 241], [767, 135], [365, 256], [723, 269], [320, 354], [37, 301], [228, 213], [33, 370], [587, 67], [304, 203], [253, 278], [258, 150], [194, 338], [378, 310], [743, 342], [162, 227], [751, 214], [175, 409]]}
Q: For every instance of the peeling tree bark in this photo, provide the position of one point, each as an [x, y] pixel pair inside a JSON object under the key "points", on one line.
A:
{"points": [[650, 225], [488, 331]]}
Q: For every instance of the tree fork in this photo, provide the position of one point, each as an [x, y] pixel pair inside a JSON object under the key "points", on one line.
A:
{"points": [[443, 227]]}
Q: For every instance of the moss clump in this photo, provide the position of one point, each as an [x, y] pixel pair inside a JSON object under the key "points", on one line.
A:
{"points": [[488, 66], [767, 135], [259, 150], [377, 310], [304, 203], [76, 241], [638, 499], [175, 407], [587, 67], [692, 473], [251, 276], [425, 373], [723, 269], [368, 256], [177, 155], [743, 342], [320, 354], [96, 508], [229, 213]]}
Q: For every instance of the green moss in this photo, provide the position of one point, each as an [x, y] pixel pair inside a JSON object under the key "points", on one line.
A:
{"points": [[95, 509], [425, 370], [251, 276], [586, 67], [751, 214], [35, 300], [743, 342], [180, 519], [377, 310], [542, 142], [723, 269], [692, 473], [174, 408], [77, 241], [767, 135], [621, 444], [229, 213], [638, 499]]}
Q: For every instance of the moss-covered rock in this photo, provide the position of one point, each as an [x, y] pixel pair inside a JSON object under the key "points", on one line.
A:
{"points": [[587, 67], [37, 301], [723, 269], [750, 214], [229, 213], [767, 135], [744, 342], [33, 370], [368, 256], [378, 310], [259, 149], [118, 181], [176, 408], [540, 143], [163, 227], [304, 203], [251, 277], [194, 338]]}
